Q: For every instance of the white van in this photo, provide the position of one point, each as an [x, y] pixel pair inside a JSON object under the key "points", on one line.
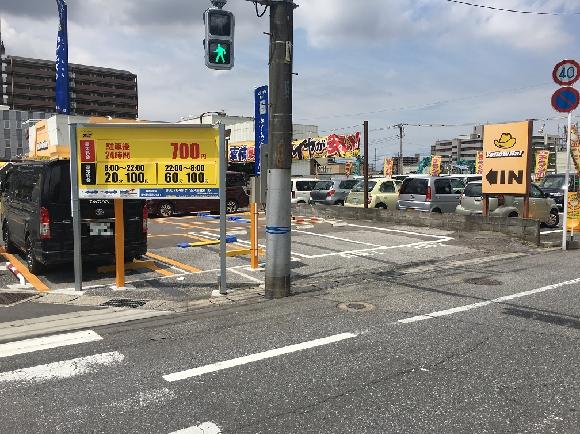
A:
{"points": [[301, 188]]}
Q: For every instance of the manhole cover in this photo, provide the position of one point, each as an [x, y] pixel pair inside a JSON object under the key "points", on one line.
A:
{"points": [[7, 298], [124, 302], [484, 281], [356, 306]]}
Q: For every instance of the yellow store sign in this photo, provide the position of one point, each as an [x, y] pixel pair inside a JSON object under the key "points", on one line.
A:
{"points": [[506, 158], [148, 161]]}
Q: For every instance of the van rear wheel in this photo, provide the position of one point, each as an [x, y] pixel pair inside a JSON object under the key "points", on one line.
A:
{"points": [[32, 263], [231, 206], [554, 219]]}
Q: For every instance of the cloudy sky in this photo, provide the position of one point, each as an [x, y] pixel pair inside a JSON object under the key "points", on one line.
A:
{"points": [[385, 61]]}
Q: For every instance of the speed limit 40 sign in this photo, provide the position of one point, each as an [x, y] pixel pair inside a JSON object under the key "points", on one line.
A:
{"points": [[566, 72], [148, 161]]}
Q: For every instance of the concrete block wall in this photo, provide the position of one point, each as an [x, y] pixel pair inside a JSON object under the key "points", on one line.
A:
{"points": [[523, 229]]}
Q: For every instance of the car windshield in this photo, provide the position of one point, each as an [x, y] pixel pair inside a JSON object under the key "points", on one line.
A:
{"points": [[323, 185], [552, 182], [360, 186]]}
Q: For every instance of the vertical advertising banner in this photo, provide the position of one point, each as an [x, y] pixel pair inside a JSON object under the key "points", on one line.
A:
{"points": [[479, 163], [388, 168], [541, 164], [61, 90], [573, 222], [575, 147], [435, 169], [261, 125]]}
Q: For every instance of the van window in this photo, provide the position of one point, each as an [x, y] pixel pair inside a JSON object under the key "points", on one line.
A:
{"points": [[59, 184], [305, 185], [347, 185], [442, 186], [415, 186], [473, 190], [457, 184], [360, 186], [387, 187], [24, 183], [553, 181], [323, 185], [535, 192]]}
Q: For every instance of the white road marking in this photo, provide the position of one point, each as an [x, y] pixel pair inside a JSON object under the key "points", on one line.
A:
{"points": [[204, 428], [366, 252], [505, 298], [551, 232], [55, 341], [63, 369], [331, 237], [253, 279], [227, 364], [398, 231]]}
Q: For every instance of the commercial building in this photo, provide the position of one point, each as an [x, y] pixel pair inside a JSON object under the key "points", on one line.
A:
{"points": [[410, 164], [14, 132], [29, 85], [465, 148]]}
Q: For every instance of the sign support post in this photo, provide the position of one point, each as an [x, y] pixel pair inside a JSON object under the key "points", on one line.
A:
{"points": [[223, 214], [75, 208], [566, 182], [119, 244]]}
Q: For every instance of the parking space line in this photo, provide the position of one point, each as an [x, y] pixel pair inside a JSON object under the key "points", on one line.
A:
{"points": [[398, 231], [55, 341], [30, 278], [157, 269], [337, 238], [551, 232], [252, 358], [173, 262], [239, 273]]}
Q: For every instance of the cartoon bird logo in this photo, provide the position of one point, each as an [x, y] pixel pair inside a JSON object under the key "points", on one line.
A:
{"points": [[506, 141]]}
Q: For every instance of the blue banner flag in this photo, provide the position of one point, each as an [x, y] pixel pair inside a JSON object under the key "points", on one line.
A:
{"points": [[261, 125], [62, 96]]}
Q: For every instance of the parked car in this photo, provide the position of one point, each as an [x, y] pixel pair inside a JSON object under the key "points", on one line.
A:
{"points": [[542, 207], [382, 194], [553, 184], [466, 178], [36, 218], [333, 192], [301, 188], [430, 193], [400, 177], [236, 198]]}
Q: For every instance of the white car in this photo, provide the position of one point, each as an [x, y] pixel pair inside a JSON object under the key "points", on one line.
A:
{"points": [[301, 188]]}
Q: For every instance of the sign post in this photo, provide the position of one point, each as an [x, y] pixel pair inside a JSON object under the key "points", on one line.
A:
{"points": [[146, 161], [566, 100]]}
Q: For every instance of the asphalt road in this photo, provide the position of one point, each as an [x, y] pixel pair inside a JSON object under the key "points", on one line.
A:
{"points": [[458, 345]]}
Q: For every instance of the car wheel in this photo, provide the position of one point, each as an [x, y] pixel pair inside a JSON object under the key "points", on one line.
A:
{"points": [[301, 201], [340, 203], [553, 220], [513, 215], [381, 206], [231, 206], [32, 263], [8, 244], [436, 211], [166, 209]]}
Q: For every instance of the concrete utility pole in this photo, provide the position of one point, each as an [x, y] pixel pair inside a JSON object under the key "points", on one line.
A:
{"points": [[278, 212], [366, 164], [401, 126]]}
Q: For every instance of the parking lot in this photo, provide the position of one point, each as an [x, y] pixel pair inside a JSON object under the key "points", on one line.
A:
{"points": [[182, 263]]}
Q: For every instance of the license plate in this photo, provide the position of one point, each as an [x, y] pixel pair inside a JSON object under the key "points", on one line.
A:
{"points": [[103, 229]]}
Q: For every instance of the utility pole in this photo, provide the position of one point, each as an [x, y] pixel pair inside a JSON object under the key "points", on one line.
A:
{"points": [[401, 126], [375, 163], [278, 211], [366, 164]]}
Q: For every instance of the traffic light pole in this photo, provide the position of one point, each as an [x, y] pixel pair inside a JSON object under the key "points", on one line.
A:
{"points": [[278, 212]]}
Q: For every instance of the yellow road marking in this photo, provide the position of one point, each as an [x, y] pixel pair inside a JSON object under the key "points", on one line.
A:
{"points": [[162, 271], [31, 278], [173, 262], [241, 252], [128, 266]]}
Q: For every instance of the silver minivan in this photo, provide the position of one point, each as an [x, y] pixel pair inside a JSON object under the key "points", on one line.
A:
{"points": [[430, 194]]}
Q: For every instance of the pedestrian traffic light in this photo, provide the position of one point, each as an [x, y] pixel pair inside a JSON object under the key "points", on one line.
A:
{"points": [[219, 39]]}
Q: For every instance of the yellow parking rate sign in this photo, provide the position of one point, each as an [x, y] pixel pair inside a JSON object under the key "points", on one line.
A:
{"points": [[148, 161]]}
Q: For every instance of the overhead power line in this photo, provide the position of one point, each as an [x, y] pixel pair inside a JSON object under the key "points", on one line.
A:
{"points": [[513, 11]]}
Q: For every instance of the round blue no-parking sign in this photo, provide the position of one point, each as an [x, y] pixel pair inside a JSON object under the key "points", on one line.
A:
{"points": [[565, 99]]}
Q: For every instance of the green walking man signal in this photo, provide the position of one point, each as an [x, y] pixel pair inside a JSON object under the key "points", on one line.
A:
{"points": [[219, 39], [220, 51]]}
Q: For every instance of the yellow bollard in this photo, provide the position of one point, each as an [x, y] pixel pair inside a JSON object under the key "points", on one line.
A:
{"points": [[254, 248]]}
